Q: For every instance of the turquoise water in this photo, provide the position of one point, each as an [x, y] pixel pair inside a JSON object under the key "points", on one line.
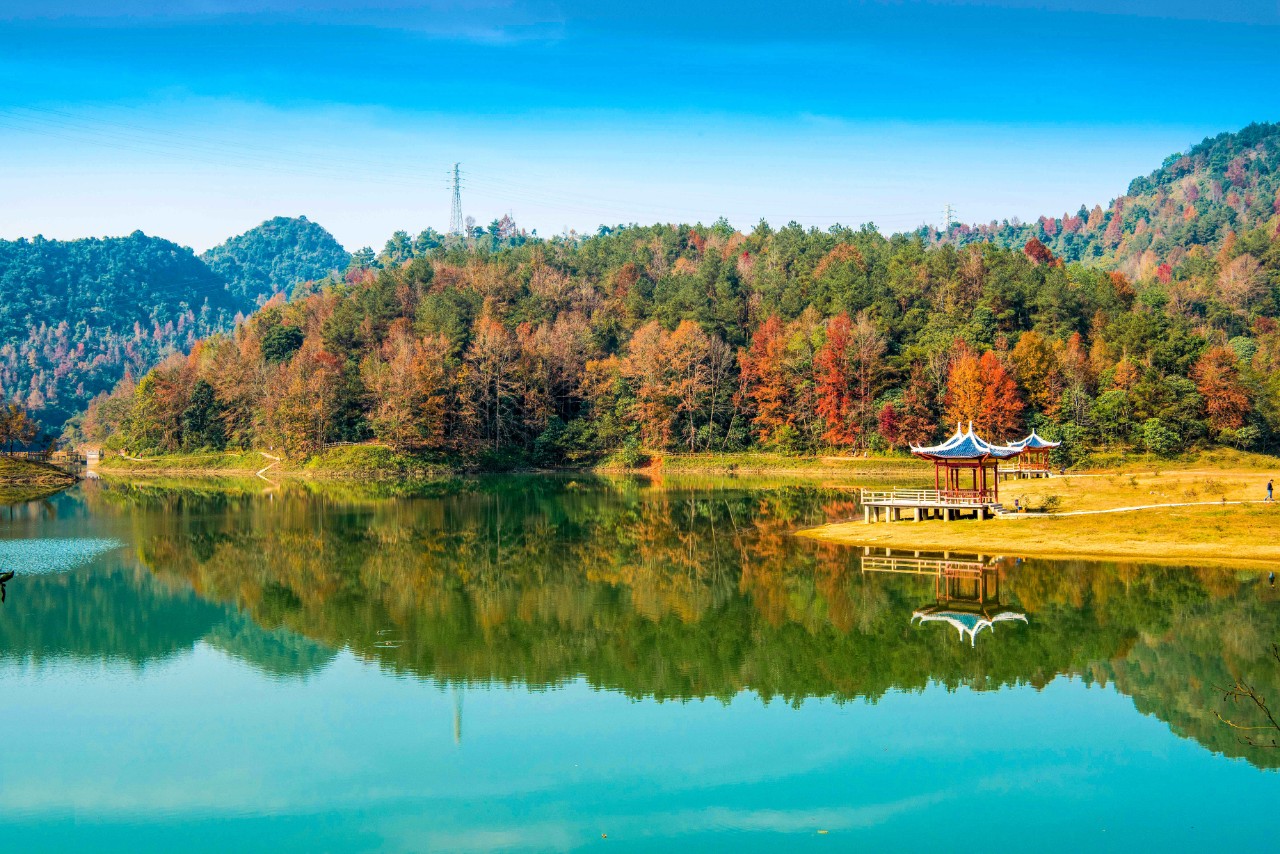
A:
{"points": [[542, 664]]}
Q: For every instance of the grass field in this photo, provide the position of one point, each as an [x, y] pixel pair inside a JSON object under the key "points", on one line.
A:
{"points": [[24, 480], [908, 468], [342, 463], [1213, 530]]}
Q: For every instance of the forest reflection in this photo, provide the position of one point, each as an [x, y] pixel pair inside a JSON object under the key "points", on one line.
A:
{"points": [[669, 590]]}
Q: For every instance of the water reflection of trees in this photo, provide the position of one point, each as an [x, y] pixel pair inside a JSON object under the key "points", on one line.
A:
{"points": [[676, 592]]}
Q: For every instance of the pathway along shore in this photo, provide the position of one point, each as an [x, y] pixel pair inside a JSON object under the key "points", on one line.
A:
{"points": [[1205, 516]]}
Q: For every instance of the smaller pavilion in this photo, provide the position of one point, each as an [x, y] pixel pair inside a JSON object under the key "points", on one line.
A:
{"points": [[1033, 457]]}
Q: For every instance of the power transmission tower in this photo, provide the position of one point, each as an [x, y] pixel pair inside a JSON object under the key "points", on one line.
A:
{"points": [[948, 217], [455, 213]]}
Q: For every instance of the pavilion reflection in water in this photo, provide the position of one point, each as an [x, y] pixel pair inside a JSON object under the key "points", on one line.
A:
{"points": [[966, 591]]}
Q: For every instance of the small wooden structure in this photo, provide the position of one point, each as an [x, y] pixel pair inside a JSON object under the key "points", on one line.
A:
{"points": [[963, 454], [1032, 459]]}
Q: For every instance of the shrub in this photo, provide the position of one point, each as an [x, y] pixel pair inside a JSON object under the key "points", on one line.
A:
{"points": [[1159, 439], [629, 455]]}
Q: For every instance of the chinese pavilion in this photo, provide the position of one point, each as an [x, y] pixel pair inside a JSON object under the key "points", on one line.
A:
{"points": [[966, 452], [1033, 456]]}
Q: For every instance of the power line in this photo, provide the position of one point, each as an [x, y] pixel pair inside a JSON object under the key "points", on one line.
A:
{"points": [[455, 212], [948, 217]]}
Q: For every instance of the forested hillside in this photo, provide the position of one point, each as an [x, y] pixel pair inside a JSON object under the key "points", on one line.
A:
{"points": [[1225, 185], [275, 256], [704, 338], [76, 315], [508, 348]]}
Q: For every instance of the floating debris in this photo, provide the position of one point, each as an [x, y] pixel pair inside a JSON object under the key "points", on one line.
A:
{"points": [[55, 554]]}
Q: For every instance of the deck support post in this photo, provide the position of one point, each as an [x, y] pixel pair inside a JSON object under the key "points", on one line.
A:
{"points": [[916, 514], [866, 515]]}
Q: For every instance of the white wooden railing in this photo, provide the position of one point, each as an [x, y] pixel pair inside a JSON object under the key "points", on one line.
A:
{"points": [[927, 496], [923, 566]]}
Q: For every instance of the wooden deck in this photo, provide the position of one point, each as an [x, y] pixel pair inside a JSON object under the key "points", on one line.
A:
{"points": [[1023, 473], [923, 565], [945, 504]]}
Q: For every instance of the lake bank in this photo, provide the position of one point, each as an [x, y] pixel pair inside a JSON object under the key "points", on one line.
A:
{"points": [[27, 480], [344, 463], [1206, 513], [384, 464]]}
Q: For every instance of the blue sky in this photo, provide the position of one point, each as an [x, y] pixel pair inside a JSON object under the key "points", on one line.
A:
{"points": [[197, 119]]}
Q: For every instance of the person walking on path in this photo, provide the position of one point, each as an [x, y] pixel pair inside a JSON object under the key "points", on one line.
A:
{"points": [[1268, 491]]}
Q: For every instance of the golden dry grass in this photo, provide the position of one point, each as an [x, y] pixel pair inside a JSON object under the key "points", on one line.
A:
{"points": [[1137, 487], [1237, 535]]}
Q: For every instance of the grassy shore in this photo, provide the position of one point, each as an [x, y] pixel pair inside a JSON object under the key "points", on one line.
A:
{"points": [[759, 463], [24, 480], [1153, 512], [355, 462], [380, 463]]}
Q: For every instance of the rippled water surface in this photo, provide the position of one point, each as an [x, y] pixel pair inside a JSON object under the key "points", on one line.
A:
{"points": [[550, 664]]}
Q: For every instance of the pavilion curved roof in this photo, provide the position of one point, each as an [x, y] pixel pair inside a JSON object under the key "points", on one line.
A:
{"points": [[1034, 443], [965, 445], [965, 622]]}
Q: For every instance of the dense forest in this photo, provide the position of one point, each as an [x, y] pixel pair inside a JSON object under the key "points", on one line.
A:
{"points": [[694, 338], [1225, 184], [77, 316], [505, 348]]}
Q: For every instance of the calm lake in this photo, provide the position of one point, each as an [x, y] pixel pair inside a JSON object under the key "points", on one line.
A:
{"points": [[547, 663]]}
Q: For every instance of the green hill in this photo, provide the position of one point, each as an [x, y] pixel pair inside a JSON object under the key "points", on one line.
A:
{"points": [[1227, 184], [275, 256], [76, 315]]}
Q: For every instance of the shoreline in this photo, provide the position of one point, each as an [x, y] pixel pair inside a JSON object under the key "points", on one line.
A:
{"points": [[25, 480], [1203, 514], [380, 464]]}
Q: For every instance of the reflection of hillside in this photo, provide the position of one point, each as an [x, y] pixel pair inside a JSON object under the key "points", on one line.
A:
{"points": [[674, 593], [121, 614], [116, 615]]}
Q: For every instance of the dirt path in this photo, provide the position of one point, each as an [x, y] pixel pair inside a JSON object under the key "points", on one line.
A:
{"points": [[261, 472], [1126, 509]]}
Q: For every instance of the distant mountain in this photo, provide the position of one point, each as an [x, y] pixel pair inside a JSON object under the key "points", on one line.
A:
{"points": [[1227, 184], [275, 256], [75, 315]]}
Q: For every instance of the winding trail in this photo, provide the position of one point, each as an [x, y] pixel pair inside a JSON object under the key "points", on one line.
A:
{"points": [[268, 466], [1127, 509]]}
